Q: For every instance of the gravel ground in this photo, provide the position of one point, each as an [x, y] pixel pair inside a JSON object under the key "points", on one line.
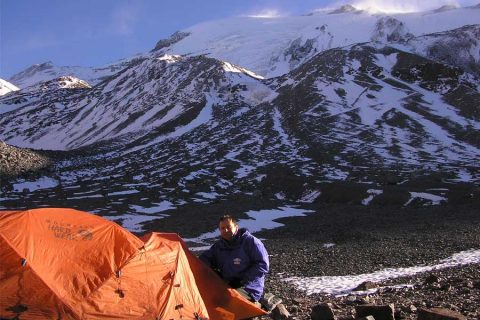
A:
{"points": [[366, 238], [369, 239]]}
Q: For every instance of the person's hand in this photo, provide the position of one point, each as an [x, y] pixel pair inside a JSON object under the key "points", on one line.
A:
{"points": [[235, 283]]}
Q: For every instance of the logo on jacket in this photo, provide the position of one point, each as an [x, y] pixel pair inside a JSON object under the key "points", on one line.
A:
{"points": [[237, 261]]}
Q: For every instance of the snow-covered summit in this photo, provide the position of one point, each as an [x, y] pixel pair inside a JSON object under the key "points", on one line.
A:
{"points": [[63, 82], [344, 9], [70, 82], [6, 87], [446, 8], [48, 71], [274, 46], [395, 107]]}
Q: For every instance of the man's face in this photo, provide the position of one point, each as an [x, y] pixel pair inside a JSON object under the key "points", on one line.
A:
{"points": [[227, 229]]}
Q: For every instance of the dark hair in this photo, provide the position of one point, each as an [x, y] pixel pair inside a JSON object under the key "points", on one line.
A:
{"points": [[228, 218]]}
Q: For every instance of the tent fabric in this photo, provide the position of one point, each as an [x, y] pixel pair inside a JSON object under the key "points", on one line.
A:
{"points": [[221, 301], [58, 263]]}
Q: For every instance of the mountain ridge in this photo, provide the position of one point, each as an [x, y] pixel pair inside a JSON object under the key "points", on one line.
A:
{"points": [[192, 129], [239, 41]]}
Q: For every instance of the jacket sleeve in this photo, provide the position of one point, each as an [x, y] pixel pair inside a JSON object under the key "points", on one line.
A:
{"points": [[208, 257], [260, 263]]}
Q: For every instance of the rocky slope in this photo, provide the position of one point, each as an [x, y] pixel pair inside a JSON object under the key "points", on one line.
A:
{"points": [[17, 161], [343, 127]]}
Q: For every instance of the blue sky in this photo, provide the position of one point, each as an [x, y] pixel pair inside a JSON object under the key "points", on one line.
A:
{"points": [[97, 32]]}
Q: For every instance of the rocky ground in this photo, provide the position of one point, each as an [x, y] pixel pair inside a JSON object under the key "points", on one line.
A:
{"points": [[371, 239], [365, 238], [456, 289]]}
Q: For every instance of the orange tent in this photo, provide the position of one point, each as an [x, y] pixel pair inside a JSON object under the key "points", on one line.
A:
{"points": [[68, 264]]}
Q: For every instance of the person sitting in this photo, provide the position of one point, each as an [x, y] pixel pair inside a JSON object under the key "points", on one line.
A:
{"points": [[239, 258]]}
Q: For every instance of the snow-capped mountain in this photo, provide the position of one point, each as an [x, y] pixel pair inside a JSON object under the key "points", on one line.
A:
{"points": [[458, 47], [394, 106], [153, 94], [6, 87], [47, 71], [274, 46], [381, 104]]}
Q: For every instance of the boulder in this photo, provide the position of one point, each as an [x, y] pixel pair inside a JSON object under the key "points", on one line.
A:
{"points": [[351, 299], [379, 312], [432, 279], [439, 314], [269, 301], [367, 285], [280, 313], [477, 285], [322, 311]]}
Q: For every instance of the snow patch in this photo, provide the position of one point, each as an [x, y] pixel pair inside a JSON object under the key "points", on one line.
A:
{"points": [[170, 58], [259, 220], [40, 183], [310, 196], [435, 200], [121, 193], [372, 193], [227, 66], [341, 285], [132, 222], [208, 195], [157, 207], [7, 87]]}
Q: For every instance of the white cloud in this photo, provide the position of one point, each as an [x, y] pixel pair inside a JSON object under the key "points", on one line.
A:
{"points": [[400, 6], [123, 19], [39, 41], [266, 13], [403, 6]]}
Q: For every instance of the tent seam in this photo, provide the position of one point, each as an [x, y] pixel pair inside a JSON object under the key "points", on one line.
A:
{"points": [[130, 258]]}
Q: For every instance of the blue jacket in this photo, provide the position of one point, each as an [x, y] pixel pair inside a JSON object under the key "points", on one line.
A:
{"points": [[242, 261]]}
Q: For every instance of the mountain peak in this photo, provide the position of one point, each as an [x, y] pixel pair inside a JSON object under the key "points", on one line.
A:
{"points": [[174, 38], [446, 7], [69, 82], [345, 9], [63, 82], [32, 71]]}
